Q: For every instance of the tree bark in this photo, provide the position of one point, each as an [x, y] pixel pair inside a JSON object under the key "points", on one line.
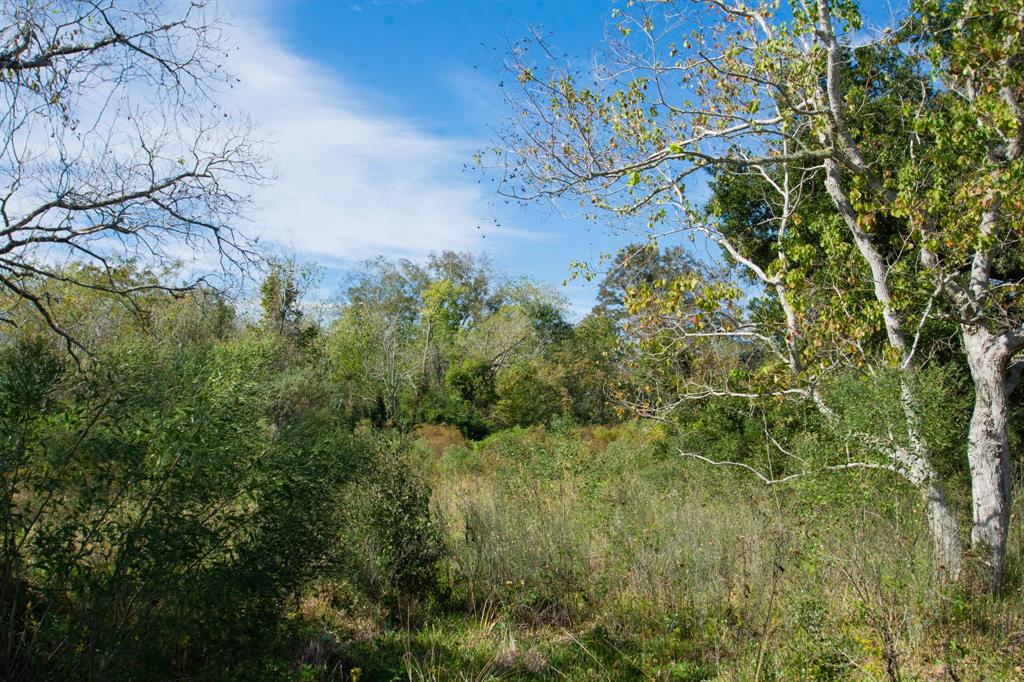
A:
{"points": [[947, 546], [988, 453]]}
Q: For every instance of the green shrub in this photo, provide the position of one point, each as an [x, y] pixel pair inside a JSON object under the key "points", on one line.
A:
{"points": [[394, 542], [472, 380], [526, 397], [162, 512], [445, 408]]}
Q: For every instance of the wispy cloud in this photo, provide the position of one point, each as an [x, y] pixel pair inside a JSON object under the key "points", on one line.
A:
{"points": [[352, 181]]}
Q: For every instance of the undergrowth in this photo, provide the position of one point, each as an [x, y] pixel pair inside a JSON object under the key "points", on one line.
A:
{"points": [[599, 553]]}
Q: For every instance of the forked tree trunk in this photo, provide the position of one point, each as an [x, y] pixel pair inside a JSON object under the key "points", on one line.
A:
{"points": [[988, 453]]}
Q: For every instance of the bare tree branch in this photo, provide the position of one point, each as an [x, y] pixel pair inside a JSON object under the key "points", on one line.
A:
{"points": [[113, 150]]}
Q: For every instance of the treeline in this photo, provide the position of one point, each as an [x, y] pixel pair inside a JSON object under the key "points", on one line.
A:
{"points": [[454, 342], [178, 471]]}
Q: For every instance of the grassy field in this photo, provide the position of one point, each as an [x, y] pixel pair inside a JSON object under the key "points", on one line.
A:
{"points": [[601, 554]]}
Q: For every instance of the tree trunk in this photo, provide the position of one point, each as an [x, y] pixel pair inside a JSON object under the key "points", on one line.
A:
{"points": [[988, 453], [947, 547]]}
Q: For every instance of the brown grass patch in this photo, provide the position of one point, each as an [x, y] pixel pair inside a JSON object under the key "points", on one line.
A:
{"points": [[439, 437]]}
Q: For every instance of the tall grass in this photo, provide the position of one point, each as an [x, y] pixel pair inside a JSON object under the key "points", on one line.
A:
{"points": [[613, 558]]}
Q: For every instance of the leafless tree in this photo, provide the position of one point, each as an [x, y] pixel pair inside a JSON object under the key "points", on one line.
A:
{"points": [[113, 148]]}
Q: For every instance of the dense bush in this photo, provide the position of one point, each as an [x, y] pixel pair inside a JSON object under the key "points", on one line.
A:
{"points": [[527, 397], [163, 510], [453, 342], [393, 542]]}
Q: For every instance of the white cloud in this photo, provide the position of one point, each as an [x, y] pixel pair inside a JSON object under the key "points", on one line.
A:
{"points": [[351, 182]]}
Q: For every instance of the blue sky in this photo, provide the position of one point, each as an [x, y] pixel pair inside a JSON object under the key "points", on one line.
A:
{"points": [[373, 111]]}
